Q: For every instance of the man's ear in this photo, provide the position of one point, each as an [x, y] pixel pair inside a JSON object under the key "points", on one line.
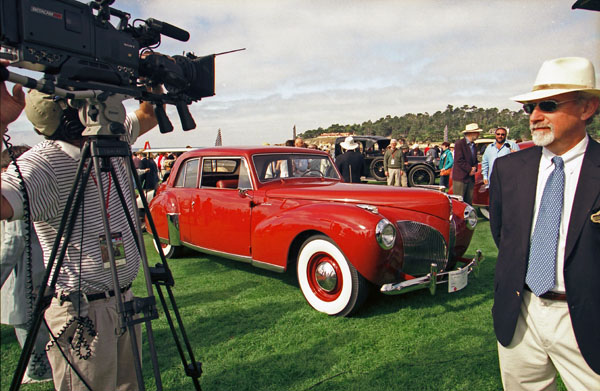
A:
{"points": [[590, 107]]}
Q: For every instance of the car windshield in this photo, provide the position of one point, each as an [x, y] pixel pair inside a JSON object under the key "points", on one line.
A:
{"points": [[283, 165]]}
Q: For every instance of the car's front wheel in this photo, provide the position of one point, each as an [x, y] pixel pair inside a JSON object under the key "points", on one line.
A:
{"points": [[169, 250], [328, 281]]}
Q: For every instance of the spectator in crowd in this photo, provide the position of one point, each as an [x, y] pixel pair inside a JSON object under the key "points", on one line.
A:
{"points": [[393, 164], [493, 151], [21, 282], [415, 151], [405, 150], [446, 163], [84, 285], [351, 163], [432, 153], [299, 143], [465, 163], [545, 220]]}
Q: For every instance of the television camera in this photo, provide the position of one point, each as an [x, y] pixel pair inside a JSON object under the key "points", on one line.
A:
{"points": [[78, 48]]}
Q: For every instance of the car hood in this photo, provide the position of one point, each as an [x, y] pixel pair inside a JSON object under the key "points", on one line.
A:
{"points": [[421, 200]]}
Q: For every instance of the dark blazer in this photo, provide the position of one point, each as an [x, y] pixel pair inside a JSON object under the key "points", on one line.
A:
{"points": [[512, 199], [351, 165], [463, 162]]}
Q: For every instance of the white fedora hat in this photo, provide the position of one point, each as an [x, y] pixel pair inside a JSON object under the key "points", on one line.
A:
{"points": [[472, 128], [560, 76], [349, 143]]}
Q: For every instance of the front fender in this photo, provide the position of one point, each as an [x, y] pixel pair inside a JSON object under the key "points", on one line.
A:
{"points": [[350, 227]]}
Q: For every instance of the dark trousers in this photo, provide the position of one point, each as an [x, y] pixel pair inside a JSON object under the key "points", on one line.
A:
{"points": [[444, 180], [464, 189]]}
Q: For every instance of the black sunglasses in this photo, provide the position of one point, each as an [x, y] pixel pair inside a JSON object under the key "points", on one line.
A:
{"points": [[547, 106], [501, 134]]}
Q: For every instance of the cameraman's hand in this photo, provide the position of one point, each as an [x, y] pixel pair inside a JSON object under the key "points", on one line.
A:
{"points": [[10, 105]]}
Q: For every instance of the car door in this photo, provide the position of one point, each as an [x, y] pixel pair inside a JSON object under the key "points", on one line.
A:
{"points": [[222, 216], [185, 190]]}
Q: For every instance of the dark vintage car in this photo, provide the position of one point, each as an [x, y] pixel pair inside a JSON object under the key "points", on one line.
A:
{"points": [[421, 170], [283, 208]]}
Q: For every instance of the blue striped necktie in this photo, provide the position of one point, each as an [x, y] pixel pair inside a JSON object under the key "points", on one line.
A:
{"points": [[541, 269]]}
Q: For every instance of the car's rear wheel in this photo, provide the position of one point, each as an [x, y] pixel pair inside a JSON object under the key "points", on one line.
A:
{"points": [[421, 175], [169, 250], [328, 281]]}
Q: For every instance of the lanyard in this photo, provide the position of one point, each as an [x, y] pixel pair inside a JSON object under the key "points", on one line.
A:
{"points": [[108, 194]]}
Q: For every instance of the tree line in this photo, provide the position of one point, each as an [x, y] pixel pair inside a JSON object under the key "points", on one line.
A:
{"points": [[425, 127]]}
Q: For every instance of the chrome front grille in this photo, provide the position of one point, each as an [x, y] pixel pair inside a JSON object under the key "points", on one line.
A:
{"points": [[423, 245]]}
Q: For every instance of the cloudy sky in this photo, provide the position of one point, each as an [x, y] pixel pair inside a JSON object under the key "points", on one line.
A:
{"points": [[315, 63]]}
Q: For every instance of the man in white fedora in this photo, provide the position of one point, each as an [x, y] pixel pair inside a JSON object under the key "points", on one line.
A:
{"points": [[351, 163], [545, 220], [465, 163]]}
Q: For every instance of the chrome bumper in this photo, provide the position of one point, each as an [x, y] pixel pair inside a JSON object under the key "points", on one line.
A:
{"points": [[432, 279]]}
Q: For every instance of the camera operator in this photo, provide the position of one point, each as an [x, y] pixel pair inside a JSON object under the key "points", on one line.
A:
{"points": [[83, 313], [11, 106]]}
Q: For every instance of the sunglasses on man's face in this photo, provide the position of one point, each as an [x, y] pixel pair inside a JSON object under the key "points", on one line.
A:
{"points": [[547, 106], [501, 134]]}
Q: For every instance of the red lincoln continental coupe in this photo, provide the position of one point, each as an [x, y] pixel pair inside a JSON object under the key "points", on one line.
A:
{"points": [[282, 207]]}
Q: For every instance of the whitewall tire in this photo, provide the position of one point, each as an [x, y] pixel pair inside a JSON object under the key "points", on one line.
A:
{"points": [[327, 280]]}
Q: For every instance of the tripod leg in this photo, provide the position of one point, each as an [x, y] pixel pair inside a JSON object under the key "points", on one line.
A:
{"points": [[193, 368]]}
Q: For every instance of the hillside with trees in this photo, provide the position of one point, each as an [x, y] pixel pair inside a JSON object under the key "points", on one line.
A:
{"points": [[423, 127]]}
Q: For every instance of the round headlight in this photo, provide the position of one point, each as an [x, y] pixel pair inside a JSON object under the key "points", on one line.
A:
{"points": [[470, 217], [385, 232]]}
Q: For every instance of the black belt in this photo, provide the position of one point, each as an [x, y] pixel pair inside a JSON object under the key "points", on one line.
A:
{"points": [[93, 296], [551, 295]]}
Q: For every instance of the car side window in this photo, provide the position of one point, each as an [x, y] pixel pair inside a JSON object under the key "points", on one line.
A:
{"points": [[188, 174], [225, 173]]}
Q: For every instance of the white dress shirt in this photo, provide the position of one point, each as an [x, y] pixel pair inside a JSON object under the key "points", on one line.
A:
{"points": [[573, 159]]}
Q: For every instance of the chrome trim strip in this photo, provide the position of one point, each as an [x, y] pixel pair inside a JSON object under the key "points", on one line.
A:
{"points": [[235, 257], [430, 280], [239, 258], [268, 266]]}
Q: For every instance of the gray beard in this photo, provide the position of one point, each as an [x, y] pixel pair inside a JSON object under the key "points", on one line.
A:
{"points": [[542, 139]]}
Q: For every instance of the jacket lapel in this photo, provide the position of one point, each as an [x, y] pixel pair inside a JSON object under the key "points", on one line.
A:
{"points": [[528, 172], [588, 191]]}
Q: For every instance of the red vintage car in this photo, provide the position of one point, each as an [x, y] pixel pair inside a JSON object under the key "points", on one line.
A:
{"points": [[279, 208]]}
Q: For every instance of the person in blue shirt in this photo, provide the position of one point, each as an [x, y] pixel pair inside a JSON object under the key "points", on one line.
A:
{"points": [[493, 151], [446, 163]]}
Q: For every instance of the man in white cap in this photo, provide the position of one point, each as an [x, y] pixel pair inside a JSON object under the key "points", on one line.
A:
{"points": [[393, 165], [351, 163], [545, 220], [465, 163], [83, 312]]}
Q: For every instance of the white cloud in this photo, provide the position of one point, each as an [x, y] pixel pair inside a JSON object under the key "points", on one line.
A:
{"points": [[314, 63]]}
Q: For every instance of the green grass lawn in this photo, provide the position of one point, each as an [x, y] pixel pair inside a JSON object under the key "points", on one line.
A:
{"points": [[253, 330]]}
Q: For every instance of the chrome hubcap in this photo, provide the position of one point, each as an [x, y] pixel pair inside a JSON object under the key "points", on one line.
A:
{"points": [[326, 276]]}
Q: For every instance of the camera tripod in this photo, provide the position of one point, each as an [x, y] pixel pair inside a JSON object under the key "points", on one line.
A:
{"points": [[103, 118]]}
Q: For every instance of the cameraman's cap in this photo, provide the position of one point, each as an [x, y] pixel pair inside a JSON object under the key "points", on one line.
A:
{"points": [[43, 112]]}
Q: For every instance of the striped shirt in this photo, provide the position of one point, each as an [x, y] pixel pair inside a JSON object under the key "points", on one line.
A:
{"points": [[49, 172]]}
